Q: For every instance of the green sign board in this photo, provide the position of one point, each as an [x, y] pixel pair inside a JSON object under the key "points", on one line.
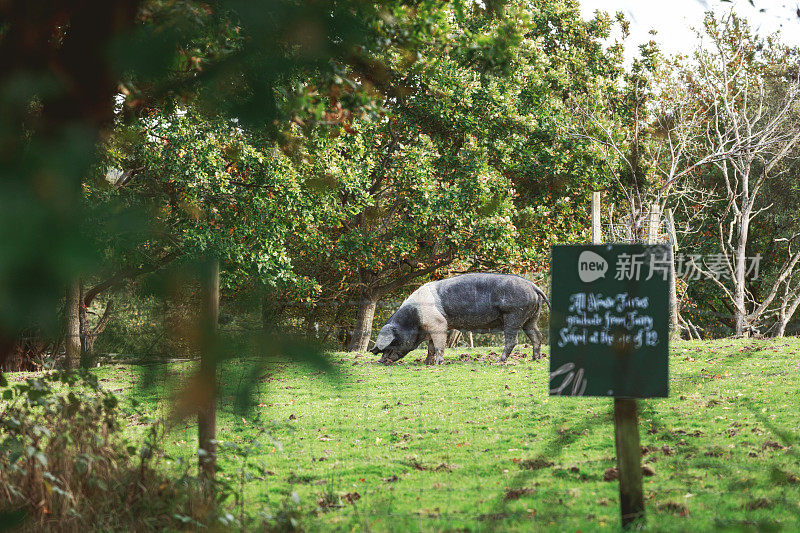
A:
{"points": [[609, 323]]}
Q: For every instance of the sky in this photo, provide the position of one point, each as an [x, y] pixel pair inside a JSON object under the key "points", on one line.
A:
{"points": [[674, 19]]}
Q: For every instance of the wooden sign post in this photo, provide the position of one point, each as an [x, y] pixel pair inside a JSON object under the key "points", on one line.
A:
{"points": [[629, 460], [609, 336]]}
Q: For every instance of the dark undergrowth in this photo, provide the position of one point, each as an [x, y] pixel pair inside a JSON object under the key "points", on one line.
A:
{"points": [[65, 464]]}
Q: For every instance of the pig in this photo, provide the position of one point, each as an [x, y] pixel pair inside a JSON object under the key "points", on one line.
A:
{"points": [[474, 302]]}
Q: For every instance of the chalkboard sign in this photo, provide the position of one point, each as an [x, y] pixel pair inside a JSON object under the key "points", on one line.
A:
{"points": [[609, 324]]}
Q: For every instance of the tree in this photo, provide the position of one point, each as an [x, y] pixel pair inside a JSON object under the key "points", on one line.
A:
{"points": [[61, 71], [456, 97], [55, 96], [724, 122], [479, 104], [63, 67], [787, 291], [398, 218], [749, 93], [775, 238]]}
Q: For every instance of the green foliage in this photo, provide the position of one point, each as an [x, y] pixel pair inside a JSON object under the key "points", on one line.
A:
{"points": [[391, 212], [147, 325], [62, 70], [62, 457], [432, 124], [210, 189], [461, 165]]}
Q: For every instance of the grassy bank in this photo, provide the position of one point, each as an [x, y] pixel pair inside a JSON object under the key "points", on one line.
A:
{"points": [[478, 446]]}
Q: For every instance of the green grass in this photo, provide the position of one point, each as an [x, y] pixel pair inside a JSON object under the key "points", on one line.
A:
{"points": [[479, 446]]}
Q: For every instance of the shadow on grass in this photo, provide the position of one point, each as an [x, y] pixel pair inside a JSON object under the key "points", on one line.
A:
{"points": [[560, 440], [544, 459]]}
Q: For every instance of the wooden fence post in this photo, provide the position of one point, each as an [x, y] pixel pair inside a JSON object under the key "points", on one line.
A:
{"points": [[597, 229], [673, 289], [654, 224], [207, 413]]}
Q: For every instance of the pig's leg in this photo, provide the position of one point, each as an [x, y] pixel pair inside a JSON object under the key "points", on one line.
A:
{"points": [[511, 341], [533, 333], [512, 322], [439, 341], [431, 352]]}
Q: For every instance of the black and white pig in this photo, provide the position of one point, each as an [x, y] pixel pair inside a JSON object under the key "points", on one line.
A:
{"points": [[474, 302]]}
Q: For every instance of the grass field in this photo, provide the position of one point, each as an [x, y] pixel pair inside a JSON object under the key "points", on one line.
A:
{"points": [[479, 446]]}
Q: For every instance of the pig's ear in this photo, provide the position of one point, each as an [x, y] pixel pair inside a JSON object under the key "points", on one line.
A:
{"points": [[385, 338]]}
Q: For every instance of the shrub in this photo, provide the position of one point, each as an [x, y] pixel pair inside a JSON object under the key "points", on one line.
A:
{"points": [[65, 466]]}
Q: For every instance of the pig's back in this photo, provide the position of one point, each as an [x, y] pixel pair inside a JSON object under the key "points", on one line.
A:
{"points": [[480, 300]]}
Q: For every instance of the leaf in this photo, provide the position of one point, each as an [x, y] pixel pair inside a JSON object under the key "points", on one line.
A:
{"points": [[81, 467], [11, 520]]}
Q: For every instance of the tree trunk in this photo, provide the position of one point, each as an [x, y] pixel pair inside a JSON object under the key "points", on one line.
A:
{"points": [[73, 325], [267, 316], [82, 319], [740, 261], [87, 346], [207, 413], [91, 334], [674, 313], [787, 311], [740, 267], [271, 312], [781, 331], [363, 328], [312, 324]]}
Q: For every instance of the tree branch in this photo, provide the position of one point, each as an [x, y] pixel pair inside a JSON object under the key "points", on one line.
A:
{"points": [[126, 274]]}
